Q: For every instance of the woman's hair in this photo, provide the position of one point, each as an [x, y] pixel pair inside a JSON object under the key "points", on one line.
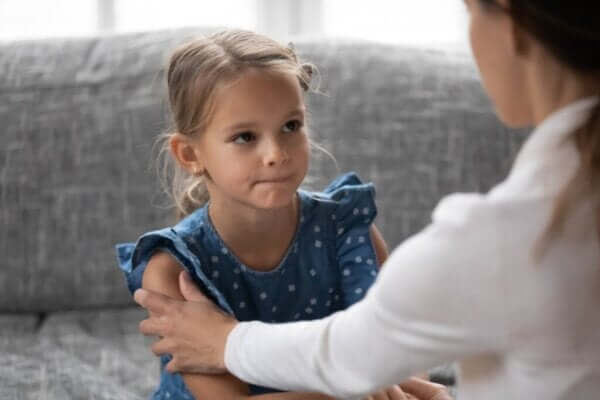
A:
{"points": [[196, 72], [571, 32]]}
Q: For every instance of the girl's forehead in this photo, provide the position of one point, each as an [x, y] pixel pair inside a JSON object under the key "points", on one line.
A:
{"points": [[257, 77], [257, 88]]}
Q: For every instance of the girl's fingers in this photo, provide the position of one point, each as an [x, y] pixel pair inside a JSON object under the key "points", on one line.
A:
{"points": [[425, 390], [396, 393]]}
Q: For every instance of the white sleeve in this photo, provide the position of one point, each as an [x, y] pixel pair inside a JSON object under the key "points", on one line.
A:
{"points": [[438, 298]]}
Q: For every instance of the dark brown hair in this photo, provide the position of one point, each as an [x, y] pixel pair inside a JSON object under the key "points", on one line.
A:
{"points": [[570, 30]]}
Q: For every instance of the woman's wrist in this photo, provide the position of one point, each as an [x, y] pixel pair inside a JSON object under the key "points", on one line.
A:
{"points": [[231, 331]]}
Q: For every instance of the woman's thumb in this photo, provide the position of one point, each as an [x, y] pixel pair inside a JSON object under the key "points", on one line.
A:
{"points": [[188, 288]]}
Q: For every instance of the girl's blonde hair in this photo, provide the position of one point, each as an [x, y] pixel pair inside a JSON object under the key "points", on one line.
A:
{"points": [[196, 71]]}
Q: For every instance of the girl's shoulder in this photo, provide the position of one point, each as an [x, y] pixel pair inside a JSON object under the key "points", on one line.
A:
{"points": [[335, 237], [343, 186], [190, 242], [194, 224], [346, 200]]}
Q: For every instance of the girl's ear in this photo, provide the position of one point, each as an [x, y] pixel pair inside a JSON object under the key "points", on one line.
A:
{"points": [[186, 153]]}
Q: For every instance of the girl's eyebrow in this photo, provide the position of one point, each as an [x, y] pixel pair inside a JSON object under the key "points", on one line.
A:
{"points": [[250, 124], [240, 125], [297, 111]]}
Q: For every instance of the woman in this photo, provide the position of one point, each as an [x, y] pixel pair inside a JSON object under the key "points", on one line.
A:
{"points": [[521, 314]]}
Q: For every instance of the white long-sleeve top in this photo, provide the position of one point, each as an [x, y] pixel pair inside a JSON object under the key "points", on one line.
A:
{"points": [[466, 288]]}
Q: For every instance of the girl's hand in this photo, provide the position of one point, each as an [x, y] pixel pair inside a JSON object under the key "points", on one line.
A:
{"points": [[391, 393], [194, 332], [413, 389], [425, 390]]}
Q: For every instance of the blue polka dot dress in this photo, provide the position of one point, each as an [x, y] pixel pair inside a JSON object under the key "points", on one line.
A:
{"points": [[329, 265]]}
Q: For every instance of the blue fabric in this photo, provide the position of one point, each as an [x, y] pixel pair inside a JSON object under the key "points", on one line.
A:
{"points": [[329, 266]]}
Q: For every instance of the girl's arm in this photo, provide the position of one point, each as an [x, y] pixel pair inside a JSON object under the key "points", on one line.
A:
{"points": [[381, 249], [161, 275]]}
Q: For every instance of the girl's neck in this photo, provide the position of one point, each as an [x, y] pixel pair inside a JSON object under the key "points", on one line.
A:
{"points": [[258, 238]]}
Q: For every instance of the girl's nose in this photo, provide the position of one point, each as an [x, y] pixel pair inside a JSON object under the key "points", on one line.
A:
{"points": [[275, 154]]}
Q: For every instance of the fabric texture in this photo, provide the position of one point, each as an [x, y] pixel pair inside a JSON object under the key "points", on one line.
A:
{"points": [[76, 355], [522, 326], [330, 264]]}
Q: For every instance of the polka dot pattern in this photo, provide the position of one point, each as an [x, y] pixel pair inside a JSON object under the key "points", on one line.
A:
{"points": [[330, 264]]}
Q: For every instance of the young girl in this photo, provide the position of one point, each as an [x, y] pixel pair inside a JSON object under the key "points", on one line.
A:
{"points": [[259, 246]]}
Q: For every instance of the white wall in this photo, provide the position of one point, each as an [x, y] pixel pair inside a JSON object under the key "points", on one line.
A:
{"points": [[392, 21]]}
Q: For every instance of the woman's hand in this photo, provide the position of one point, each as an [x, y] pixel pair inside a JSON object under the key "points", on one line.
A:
{"points": [[194, 332]]}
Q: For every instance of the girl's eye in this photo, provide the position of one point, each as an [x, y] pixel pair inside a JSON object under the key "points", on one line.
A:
{"points": [[292, 126], [242, 138]]}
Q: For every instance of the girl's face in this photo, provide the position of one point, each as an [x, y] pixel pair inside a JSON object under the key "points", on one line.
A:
{"points": [[255, 149], [496, 51]]}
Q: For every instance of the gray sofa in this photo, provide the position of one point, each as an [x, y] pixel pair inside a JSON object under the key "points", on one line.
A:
{"points": [[78, 119]]}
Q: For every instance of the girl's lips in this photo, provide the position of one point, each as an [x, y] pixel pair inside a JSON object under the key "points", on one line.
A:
{"points": [[279, 179]]}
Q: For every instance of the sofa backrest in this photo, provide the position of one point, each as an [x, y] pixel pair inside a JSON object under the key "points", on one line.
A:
{"points": [[79, 118]]}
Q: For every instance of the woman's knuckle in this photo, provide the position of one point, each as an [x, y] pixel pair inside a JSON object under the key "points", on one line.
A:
{"points": [[167, 328], [168, 346], [155, 349]]}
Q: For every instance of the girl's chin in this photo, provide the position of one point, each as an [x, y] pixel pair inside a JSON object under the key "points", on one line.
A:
{"points": [[275, 199]]}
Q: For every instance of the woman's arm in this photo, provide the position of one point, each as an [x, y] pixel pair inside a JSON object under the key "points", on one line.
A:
{"points": [[419, 313], [382, 253], [161, 275]]}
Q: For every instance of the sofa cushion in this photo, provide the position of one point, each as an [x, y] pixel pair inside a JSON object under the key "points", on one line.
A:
{"points": [[79, 117], [76, 355]]}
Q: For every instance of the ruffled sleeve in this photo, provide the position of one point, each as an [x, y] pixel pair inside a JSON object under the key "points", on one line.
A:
{"points": [[133, 258], [354, 214]]}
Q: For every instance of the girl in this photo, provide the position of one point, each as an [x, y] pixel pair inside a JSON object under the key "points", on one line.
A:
{"points": [[521, 311], [257, 245]]}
